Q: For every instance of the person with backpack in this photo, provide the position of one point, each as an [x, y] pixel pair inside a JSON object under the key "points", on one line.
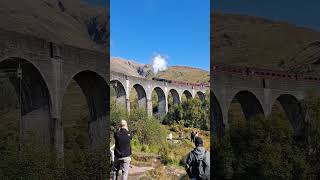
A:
{"points": [[122, 151], [197, 163]]}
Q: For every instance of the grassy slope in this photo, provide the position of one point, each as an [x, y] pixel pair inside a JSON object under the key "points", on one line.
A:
{"points": [[65, 23], [177, 152], [253, 41], [186, 74], [180, 73]]}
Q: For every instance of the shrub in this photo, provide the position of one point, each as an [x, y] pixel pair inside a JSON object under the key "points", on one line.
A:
{"points": [[87, 163], [190, 113], [117, 114], [8, 95], [35, 161]]}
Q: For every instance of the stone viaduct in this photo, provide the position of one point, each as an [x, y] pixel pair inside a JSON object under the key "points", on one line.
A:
{"points": [[257, 90], [47, 69], [123, 84]]}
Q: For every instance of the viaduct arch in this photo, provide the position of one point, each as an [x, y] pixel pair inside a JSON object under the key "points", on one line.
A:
{"points": [[145, 87], [257, 91], [47, 69]]}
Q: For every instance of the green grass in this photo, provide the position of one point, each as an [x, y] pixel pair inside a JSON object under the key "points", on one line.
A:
{"points": [[176, 152]]}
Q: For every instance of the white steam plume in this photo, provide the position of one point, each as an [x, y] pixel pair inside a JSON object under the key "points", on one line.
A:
{"points": [[159, 63]]}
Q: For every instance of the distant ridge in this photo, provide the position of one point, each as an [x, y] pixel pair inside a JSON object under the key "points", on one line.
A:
{"points": [[179, 73], [71, 22], [259, 42]]}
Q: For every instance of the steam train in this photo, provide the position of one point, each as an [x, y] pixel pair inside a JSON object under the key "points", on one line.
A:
{"points": [[264, 73], [179, 82], [161, 79]]}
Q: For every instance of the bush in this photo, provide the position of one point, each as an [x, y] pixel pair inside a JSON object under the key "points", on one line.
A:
{"points": [[174, 115], [192, 113], [87, 164], [147, 129], [311, 134], [8, 96], [117, 114], [35, 161], [260, 148]]}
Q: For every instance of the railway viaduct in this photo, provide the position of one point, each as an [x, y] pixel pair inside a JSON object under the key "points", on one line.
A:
{"points": [[123, 84], [47, 69], [257, 90]]}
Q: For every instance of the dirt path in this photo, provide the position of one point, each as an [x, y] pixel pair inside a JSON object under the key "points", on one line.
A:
{"points": [[142, 171], [136, 172]]}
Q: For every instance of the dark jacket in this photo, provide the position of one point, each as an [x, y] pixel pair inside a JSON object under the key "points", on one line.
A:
{"points": [[122, 143], [190, 162]]}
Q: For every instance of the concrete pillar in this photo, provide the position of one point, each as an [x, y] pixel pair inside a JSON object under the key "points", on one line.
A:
{"points": [[166, 95], [58, 136], [267, 102], [128, 105], [167, 106], [58, 131], [225, 118], [149, 107], [193, 94]]}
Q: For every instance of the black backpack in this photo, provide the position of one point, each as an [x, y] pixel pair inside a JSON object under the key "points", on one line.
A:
{"points": [[201, 168]]}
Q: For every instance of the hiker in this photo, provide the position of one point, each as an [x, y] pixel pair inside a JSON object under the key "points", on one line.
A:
{"points": [[122, 151], [170, 136], [196, 134], [192, 136], [197, 163]]}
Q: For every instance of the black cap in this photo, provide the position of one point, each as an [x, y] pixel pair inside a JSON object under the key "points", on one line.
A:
{"points": [[198, 141]]}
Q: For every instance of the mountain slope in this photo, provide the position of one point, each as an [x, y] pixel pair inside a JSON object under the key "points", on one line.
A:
{"points": [[71, 22], [185, 74], [253, 41], [130, 67], [179, 73]]}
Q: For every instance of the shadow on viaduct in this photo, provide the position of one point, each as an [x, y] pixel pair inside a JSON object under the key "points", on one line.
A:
{"points": [[47, 69]]}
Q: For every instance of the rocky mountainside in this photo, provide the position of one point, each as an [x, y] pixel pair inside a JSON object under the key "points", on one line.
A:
{"points": [[257, 42], [72, 22], [179, 73], [130, 67]]}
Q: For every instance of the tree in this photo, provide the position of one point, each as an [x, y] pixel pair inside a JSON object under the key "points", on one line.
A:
{"points": [[260, 148], [311, 134]]}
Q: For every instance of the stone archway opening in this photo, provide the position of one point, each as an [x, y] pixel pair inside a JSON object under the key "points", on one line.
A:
{"points": [[244, 106], [138, 97], [186, 95], [217, 125], [288, 107], [25, 106], [201, 97], [158, 102], [173, 98], [85, 112], [118, 93]]}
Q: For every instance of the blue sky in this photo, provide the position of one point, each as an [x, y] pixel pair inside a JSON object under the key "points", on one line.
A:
{"points": [[178, 29], [298, 12]]}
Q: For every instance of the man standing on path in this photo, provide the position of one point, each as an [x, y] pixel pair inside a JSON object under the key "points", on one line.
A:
{"points": [[122, 151], [197, 163], [192, 136]]}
